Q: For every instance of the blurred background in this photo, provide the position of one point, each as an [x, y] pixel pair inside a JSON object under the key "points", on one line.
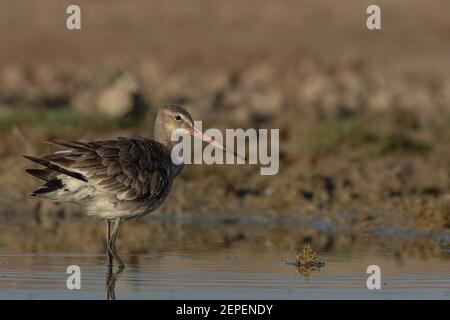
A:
{"points": [[364, 116]]}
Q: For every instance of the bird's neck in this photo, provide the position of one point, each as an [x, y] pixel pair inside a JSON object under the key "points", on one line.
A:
{"points": [[176, 168], [164, 139], [163, 136]]}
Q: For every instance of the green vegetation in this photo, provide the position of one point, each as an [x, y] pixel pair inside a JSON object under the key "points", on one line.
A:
{"points": [[61, 121], [331, 135]]}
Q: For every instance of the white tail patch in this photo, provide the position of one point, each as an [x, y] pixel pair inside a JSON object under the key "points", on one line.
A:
{"points": [[73, 190]]}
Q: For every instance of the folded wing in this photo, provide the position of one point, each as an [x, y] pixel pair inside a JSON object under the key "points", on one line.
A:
{"points": [[130, 169]]}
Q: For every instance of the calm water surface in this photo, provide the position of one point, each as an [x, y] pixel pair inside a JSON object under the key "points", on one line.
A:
{"points": [[242, 271]]}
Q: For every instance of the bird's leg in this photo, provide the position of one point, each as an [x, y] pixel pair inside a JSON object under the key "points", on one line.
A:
{"points": [[112, 244], [111, 252], [110, 277], [108, 239], [110, 284]]}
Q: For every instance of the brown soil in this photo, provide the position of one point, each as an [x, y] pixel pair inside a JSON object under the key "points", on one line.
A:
{"points": [[363, 115]]}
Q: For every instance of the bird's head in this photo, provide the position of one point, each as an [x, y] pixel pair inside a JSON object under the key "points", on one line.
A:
{"points": [[172, 117]]}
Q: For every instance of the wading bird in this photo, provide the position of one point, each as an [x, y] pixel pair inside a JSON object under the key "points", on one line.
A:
{"points": [[117, 179]]}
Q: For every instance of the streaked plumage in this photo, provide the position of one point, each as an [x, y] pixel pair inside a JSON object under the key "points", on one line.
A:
{"points": [[113, 178], [116, 179]]}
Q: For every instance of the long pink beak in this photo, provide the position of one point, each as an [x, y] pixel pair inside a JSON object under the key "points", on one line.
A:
{"points": [[197, 133]]}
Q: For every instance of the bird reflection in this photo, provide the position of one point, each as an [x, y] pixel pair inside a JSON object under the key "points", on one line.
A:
{"points": [[111, 277]]}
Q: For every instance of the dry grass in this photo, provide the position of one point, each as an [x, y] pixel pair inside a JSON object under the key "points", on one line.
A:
{"points": [[307, 259]]}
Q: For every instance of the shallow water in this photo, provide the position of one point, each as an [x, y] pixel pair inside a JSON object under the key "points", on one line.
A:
{"points": [[242, 270]]}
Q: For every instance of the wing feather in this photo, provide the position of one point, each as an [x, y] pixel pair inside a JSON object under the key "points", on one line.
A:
{"points": [[128, 168]]}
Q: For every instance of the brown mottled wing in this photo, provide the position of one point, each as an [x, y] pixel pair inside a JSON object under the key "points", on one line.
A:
{"points": [[130, 169]]}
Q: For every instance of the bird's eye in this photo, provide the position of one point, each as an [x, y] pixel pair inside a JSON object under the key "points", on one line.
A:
{"points": [[178, 118]]}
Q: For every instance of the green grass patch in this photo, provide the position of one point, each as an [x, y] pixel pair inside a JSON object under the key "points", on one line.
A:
{"points": [[61, 121], [331, 136]]}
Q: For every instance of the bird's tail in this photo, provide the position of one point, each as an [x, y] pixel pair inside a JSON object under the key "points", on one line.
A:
{"points": [[50, 175]]}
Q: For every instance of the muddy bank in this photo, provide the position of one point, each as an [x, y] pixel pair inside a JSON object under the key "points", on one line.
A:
{"points": [[364, 127], [161, 235], [358, 152]]}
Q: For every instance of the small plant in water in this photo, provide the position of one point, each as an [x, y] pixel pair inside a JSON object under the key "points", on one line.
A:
{"points": [[307, 256], [307, 259]]}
